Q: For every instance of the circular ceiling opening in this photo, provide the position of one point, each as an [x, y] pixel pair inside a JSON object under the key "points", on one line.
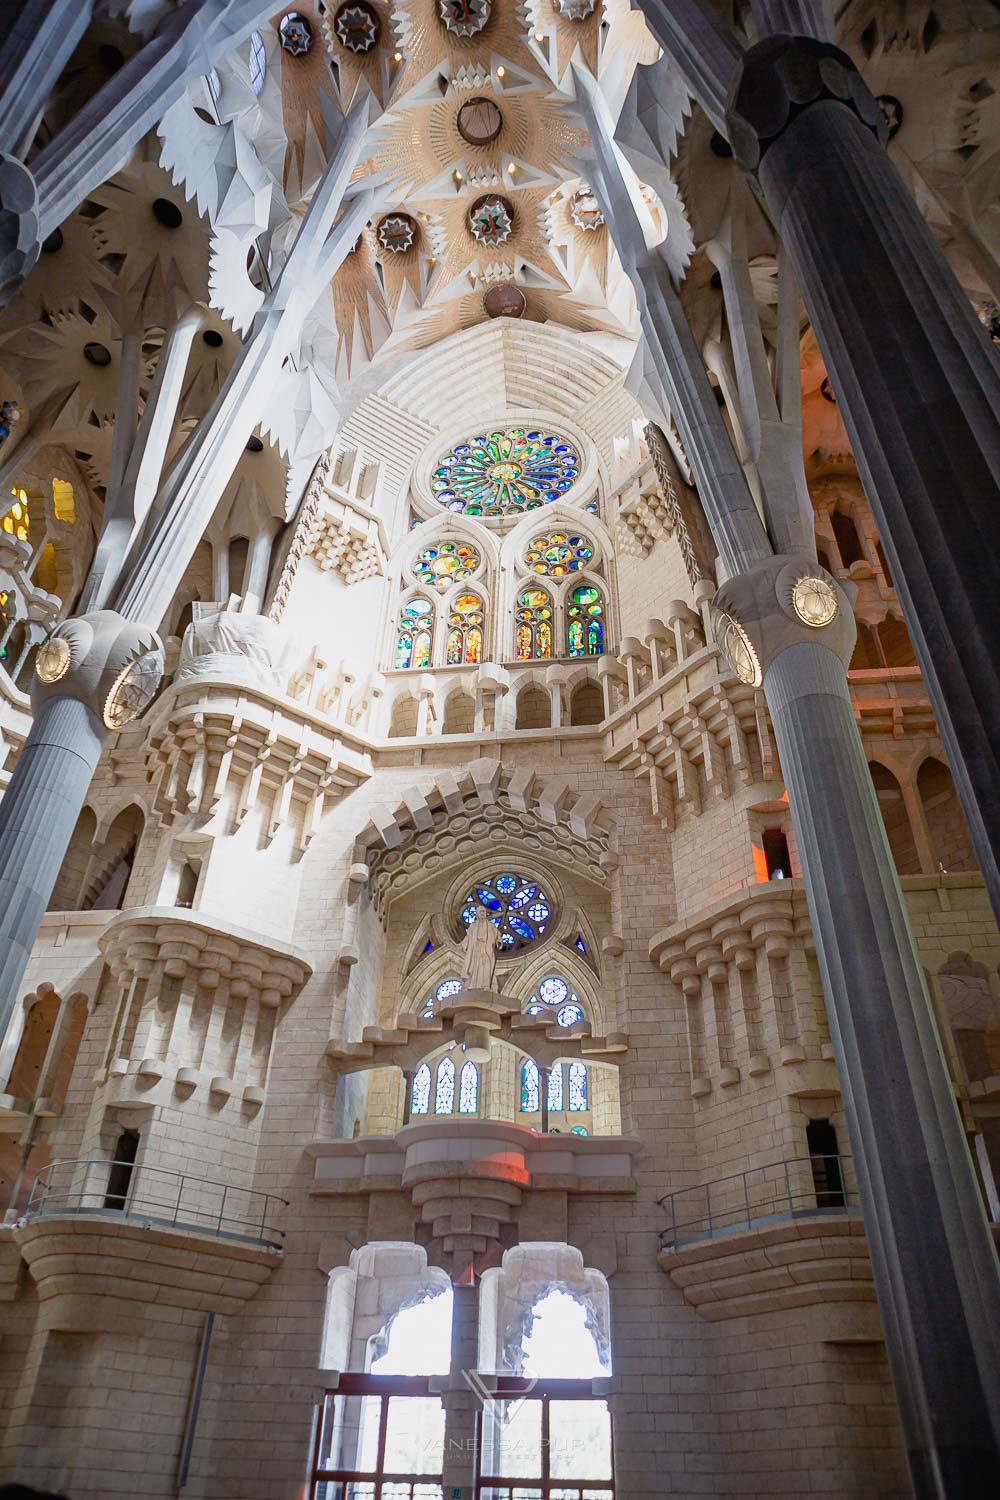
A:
{"points": [[479, 121], [97, 354], [167, 213]]}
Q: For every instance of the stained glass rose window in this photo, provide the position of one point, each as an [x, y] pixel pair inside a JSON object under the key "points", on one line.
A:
{"points": [[518, 908], [505, 472]]}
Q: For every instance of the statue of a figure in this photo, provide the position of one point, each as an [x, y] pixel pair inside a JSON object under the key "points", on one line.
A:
{"points": [[479, 952]]}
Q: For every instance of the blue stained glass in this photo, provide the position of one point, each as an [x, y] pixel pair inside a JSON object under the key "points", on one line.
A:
{"points": [[577, 1086], [580, 945], [529, 1088], [519, 908], [580, 1130], [505, 472], [468, 1092], [569, 1015], [421, 1095], [444, 1094], [555, 1092], [428, 947], [553, 990]]}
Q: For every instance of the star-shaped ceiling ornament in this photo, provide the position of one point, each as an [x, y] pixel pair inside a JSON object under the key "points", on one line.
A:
{"points": [[295, 33], [577, 10], [396, 233], [585, 210], [357, 27], [464, 17], [491, 220]]}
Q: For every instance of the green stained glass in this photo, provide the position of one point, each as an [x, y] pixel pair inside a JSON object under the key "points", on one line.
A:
{"points": [[505, 472]]}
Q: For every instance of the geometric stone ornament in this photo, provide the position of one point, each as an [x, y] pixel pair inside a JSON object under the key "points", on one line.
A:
{"points": [[357, 27], [464, 18], [396, 233], [295, 33], [737, 648], [815, 602], [585, 211], [491, 220], [576, 10]]}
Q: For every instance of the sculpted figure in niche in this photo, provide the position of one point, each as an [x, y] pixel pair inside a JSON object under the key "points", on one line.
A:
{"points": [[479, 952]]}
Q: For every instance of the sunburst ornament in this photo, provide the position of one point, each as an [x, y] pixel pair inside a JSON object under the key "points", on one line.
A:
{"points": [[464, 18], [396, 233], [53, 659], [134, 689], [577, 10], [737, 648], [815, 602], [490, 221], [357, 27], [585, 211]]}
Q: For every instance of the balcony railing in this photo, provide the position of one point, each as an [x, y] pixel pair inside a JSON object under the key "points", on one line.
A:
{"points": [[156, 1196], [802, 1187]]}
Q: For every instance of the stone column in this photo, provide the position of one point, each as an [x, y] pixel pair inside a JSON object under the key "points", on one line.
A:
{"points": [[934, 1265], [458, 1398], [86, 659], [915, 375], [37, 47]]}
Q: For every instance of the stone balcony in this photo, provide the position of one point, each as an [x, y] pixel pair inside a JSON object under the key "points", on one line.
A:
{"points": [[474, 1183]]}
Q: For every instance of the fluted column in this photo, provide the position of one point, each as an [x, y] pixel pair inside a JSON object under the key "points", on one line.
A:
{"points": [[915, 375], [933, 1262], [37, 47]]}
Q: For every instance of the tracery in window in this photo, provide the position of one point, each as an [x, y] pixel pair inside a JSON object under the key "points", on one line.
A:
{"points": [[505, 472], [421, 1092], [555, 999], [415, 634], [258, 62], [465, 631], [446, 563], [555, 1090], [444, 1093], [518, 907], [577, 1086], [529, 1088], [584, 621], [443, 992], [557, 554], [16, 522], [533, 637], [468, 1091]]}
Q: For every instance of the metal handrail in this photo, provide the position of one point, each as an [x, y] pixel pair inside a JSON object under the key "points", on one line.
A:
{"points": [[156, 1195], [799, 1187]]}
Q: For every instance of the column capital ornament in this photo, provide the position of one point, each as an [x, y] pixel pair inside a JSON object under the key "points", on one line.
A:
{"points": [[781, 77]]}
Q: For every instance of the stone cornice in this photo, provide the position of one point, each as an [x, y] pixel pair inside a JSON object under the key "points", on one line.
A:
{"points": [[194, 943]]}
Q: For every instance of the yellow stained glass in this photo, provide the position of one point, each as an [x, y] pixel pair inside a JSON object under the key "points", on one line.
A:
{"points": [[63, 501], [15, 522]]}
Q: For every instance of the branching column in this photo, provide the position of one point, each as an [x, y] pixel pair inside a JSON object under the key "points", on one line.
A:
{"points": [[784, 621]]}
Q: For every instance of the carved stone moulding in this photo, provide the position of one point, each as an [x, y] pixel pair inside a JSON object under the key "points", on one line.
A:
{"points": [[585, 210], [295, 33], [396, 233]]}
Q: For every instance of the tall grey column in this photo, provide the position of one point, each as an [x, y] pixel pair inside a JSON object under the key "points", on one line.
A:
{"points": [[37, 47], [915, 375], [94, 672], [783, 621], [37, 817]]}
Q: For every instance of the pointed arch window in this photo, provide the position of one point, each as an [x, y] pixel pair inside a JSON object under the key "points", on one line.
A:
{"points": [[465, 631], [529, 1088], [585, 620], [444, 1093], [421, 1095], [415, 635], [468, 1090], [578, 1086], [555, 1090], [533, 635], [554, 999]]}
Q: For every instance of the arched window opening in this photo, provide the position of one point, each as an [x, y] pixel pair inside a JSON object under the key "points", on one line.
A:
{"points": [[776, 856], [867, 656], [122, 1169], [415, 635], [444, 1092], [443, 992], [111, 870], [63, 501], [258, 62], [26, 1070], [895, 644], [949, 832], [421, 1095], [824, 1158], [585, 621], [459, 713], [586, 706], [896, 819], [67, 891], [465, 631], [554, 1093], [848, 540], [534, 710], [468, 1092], [187, 885], [403, 724], [578, 1087], [533, 636], [530, 1094], [555, 999], [239, 552]]}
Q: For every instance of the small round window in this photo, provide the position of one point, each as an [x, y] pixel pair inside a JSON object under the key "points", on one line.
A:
{"points": [[519, 908]]}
